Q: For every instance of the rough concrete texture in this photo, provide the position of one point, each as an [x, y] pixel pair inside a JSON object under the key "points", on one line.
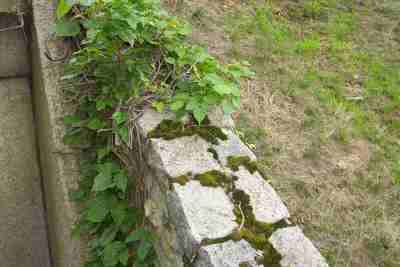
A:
{"points": [[60, 163], [14, 6], [14, 58], [184, 216], [23, 240], [296, 249], [267, 205], [227, 254]]}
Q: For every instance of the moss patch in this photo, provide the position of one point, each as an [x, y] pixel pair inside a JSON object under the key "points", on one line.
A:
{"points": [[214, 153], [182, 180], [170, 129], [255, 232], [235, 161], [213, 178]]}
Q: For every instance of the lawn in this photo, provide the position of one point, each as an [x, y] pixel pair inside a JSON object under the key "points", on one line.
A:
{"points": [[322, 112]]}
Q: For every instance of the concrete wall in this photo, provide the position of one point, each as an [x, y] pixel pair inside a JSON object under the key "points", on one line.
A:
{"points": [[59, 162]]}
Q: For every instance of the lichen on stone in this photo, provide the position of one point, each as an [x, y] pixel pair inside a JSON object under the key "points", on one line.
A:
{"points": [[170, 129], [235, 161]]}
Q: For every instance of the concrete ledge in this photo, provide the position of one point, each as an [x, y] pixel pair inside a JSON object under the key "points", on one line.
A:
{"points": [[186, 215], [13, 6], [13, 49], [60, 163]]}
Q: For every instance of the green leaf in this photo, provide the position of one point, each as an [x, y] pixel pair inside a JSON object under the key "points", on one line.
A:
{"points": [[111, 254], [64, 6], [227, 107], [144, 249], [123, 132], [98, 208], [120, 117], [121, 181], [158, 105], [119, 212], [139, 234], [96, 124], [108, 235], [199, 114], [177, 105], [104, 179], [71, 120], [124, 257], [64, 28]]}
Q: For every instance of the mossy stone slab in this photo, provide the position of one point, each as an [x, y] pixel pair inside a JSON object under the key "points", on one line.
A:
{"points": [[296, 249]]}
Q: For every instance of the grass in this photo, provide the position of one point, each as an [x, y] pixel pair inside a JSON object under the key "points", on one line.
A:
{"points": [[322, 114]]}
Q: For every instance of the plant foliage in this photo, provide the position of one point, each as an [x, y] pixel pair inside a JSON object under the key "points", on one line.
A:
{"points": [[130, 53]]}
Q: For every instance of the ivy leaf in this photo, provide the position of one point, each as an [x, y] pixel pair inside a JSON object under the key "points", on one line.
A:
{"points": [[111, 254], [64, 6], [124, 257], [121, 181], [104, 179], [71, 120], [158, 105], [177, 105], [227, 107], [108, 235], [123, 132], [120, 117], [98, 208], [96, 124], [144, 249], [66, 28], [139, 234], [119, 212], [199, 114]]}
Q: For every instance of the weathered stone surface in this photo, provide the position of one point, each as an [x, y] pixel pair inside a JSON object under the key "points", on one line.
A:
{"points": [[23, 240], [232, 147], [267, 205], [182, 155], [60, 163], [150, 119], [296, 249], [227, 254], [14, 55], [207, 210]]}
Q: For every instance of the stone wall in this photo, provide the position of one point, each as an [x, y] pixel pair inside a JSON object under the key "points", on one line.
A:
{"points": [[195, 224]]}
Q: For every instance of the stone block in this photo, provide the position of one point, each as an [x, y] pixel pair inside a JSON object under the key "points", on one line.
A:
{"points": [[296, 249], [267, 205]]}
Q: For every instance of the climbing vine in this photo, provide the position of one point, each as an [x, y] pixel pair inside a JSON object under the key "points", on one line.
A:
{"points": [[127, 55]]}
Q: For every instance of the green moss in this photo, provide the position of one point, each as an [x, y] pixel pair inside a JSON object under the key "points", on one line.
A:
{"points": [[214, 153], [235, 161], [169, 129], [182, 180], [255, 232], [213, 178]]}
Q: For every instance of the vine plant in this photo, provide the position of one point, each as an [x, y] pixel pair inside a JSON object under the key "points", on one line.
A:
{"points": [[129, 54]]}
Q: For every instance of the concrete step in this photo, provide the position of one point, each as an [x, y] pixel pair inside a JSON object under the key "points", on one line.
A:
{"points": [[23, 237], [14, 57]]}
